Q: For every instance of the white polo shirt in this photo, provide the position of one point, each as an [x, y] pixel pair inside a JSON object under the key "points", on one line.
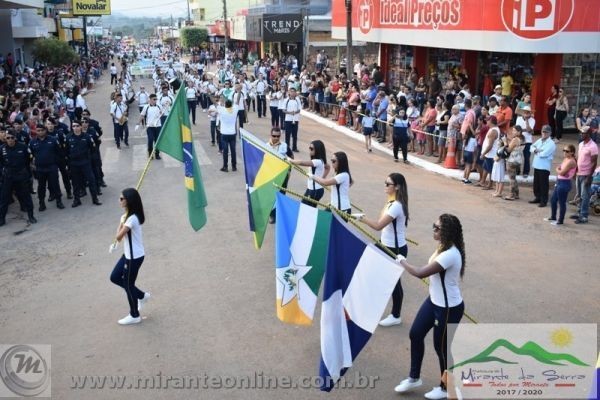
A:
{"points": [[293, 105], [451, 261], [394, 210], [152, 114], [135, 228], [343, 181], [318, 169]]}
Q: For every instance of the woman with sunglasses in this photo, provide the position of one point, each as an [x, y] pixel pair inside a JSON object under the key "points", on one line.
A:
{"points": [[342, 180], [318, 167], [444, 305], [126, 271], [392, 223], [564, 174]]}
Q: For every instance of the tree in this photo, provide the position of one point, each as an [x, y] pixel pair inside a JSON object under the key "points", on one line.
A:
{"points": [[54, 52], [193, 36]]}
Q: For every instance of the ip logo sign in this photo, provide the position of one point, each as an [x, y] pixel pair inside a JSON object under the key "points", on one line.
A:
{"points": [[24, 370], [366, 15], [536, 19]]}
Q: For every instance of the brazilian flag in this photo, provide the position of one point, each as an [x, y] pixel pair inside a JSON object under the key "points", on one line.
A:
{"points": [[176, 140]]}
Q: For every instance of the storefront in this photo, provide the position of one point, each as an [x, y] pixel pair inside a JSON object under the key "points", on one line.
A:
{"points": [[540, 43]]}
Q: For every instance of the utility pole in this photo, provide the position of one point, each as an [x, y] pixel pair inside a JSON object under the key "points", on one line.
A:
{"points": [[225, 22], [85, 37], [349, 63]]}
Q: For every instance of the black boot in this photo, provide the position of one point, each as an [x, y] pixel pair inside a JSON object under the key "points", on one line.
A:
{"points": [[30, 218], [157, 155], [51, 197], [102, 183], [99, 191], [76, 203], [42, 206], [96, 201], [2, 222], [59, 204], [69, 195]]}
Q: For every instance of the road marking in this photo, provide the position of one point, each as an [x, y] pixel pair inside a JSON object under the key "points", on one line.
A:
{"points": [[110, 159], [140, 156], [201, 153]]}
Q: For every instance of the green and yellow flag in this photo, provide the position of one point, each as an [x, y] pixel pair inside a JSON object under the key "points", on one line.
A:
{"points": [[176, 140]]}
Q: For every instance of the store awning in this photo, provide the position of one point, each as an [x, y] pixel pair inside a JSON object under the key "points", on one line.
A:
{"points": [[4, 4]]}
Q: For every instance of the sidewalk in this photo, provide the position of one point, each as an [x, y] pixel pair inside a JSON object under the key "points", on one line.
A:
{"points": [[414, 160]]}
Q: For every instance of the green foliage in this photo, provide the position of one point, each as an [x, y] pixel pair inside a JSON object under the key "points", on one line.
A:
{"points": [[54, 52], [193, 36]]}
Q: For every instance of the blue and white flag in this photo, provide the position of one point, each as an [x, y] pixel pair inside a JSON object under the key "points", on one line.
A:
{"points": [[359, 281]]}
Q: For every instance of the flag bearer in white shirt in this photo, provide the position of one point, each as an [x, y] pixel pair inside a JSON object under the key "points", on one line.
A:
{"points": [[152, 113], [292, 109]]}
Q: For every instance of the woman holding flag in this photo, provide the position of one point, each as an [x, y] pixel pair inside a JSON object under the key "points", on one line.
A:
{"points": [[444, 305], [318, 167], [125, 272], [392, 223], [342, 180]]}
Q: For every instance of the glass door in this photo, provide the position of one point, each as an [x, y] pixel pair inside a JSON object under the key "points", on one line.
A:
{"points": [[570, 82]]}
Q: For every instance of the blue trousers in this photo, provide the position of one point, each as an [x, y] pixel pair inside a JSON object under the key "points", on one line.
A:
{"points": [[152, 133], [291, 130], [431, 316], [559, 197], [228, 144], [124, 274]]}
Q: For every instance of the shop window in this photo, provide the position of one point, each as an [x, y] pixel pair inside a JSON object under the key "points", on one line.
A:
{"points": [[579, 80], [519, 66], [400, 65]]}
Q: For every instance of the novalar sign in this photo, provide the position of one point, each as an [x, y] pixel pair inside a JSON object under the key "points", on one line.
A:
{"points": [[91, 7], [282, 27]]}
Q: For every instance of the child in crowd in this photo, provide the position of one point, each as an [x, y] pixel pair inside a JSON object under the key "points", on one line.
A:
{"points": [[367, 123], [420, 136], [468, 153]]}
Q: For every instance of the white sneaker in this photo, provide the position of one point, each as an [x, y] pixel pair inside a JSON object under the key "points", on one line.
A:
{"points": [[128, 320], [408, 384], [143, 301], [437, 393], [390, 320]]}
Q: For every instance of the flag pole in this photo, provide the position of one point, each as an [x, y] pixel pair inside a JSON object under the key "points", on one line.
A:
{"points": [[294, 166], [350, 219], [347, 216]]}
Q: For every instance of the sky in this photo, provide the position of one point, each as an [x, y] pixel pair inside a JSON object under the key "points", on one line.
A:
{"points": [[150, 8]]}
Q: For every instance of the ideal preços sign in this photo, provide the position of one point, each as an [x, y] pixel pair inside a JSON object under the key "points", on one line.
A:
{"points": [[524, 19], [91, 7]]}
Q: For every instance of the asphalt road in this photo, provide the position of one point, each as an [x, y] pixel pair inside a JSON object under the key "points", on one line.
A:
{"points": [[213, 305]]}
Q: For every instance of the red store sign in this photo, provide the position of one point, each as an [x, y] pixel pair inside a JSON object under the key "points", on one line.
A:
{"points": [[537, 26]]}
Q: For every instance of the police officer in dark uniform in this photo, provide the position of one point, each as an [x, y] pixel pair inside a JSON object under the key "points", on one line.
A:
{"points": [[46, 153], [96, 125], [80, 147], [21, 135], [15, 160], [87, 129], [59, 131]]}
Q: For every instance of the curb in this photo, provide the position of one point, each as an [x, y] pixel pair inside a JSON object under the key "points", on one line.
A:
{"points": [[419, 162]]}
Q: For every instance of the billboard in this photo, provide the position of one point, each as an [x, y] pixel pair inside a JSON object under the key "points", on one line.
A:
{"points": [[282, 28], [533, 26], [91, 7]]}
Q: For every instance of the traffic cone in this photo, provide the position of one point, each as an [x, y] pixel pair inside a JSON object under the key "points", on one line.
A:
{"points": [[450, 161], [342, 117]]}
